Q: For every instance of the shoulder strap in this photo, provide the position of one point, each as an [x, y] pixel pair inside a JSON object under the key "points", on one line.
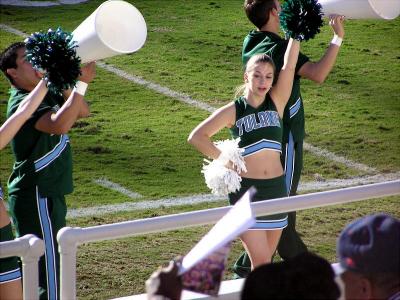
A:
{"points": [[240, 106]]}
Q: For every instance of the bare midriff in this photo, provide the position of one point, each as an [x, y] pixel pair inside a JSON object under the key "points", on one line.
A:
{"points": [[265, 164]]}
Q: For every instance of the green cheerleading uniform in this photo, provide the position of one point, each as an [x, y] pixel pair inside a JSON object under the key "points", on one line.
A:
{"points": [[257, 42], [260, 129], [41, 176], [9, 267]]}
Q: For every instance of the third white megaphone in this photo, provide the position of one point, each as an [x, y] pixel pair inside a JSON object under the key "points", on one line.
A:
{"points": [[115, 27], [362, 9]]}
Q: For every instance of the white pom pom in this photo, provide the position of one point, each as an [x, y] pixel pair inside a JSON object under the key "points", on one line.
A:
{"points": [[230, 151], [220, 179]]}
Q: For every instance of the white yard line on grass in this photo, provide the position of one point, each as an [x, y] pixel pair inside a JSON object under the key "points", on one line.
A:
{"points": [[340, 159], [104, 182], [199, 104], [196, 199], [13, 30], [157, 88], [310, 186], [129, 206], [342, 183]]}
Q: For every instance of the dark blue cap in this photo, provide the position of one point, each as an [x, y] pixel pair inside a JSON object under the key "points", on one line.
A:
{"points": [[370, 245]]}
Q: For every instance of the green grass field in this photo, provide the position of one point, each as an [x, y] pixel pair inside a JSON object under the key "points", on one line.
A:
{"points": [[137, 137]]}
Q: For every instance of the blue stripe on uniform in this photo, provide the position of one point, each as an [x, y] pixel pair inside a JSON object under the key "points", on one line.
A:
{"points": [[270, 224], [47, 159], [10, 275], [289, 163], [47, 232], [294, 109], [261, 145]]}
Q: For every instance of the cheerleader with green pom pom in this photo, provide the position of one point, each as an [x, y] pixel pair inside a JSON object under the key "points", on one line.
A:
{"points": [[42, 172], [268, 17]]}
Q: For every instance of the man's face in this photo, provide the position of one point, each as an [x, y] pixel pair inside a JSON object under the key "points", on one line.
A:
{"points": [[356, 286], [24, 75]]}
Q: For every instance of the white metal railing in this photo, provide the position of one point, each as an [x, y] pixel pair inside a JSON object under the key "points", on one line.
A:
{"points": [[69, 238], [30, 249]]}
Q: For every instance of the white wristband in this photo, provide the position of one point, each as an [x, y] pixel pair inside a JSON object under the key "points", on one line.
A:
{"points": [[337, 40], [80, 87]]}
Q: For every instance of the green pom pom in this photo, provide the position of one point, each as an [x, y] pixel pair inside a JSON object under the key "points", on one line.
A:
{"points": [[301, 19], [54, 53]]}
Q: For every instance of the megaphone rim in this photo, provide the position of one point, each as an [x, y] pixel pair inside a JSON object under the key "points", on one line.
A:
{"points": [[374, 11], [142, 23], [380, 13]]}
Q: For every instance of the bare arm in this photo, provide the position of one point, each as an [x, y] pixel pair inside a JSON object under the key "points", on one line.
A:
{"points": [[319, 71], [85, 110], [200, 137], [280, 93], [61, 121], [26, 108]]}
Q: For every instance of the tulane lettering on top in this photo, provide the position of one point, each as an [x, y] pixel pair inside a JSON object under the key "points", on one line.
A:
{"points": [[265, 118]]}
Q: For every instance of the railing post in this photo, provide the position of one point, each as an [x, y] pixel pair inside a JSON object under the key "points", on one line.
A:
{"points": [[30, 277], [67, 247], [30, 249]]}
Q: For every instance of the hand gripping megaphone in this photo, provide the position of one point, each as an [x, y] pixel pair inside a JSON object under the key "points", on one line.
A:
{"points": [[362, 9], [115, 27]]}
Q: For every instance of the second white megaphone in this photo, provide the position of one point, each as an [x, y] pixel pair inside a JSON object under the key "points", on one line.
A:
{"points": [[362, 9], [115, 27]]}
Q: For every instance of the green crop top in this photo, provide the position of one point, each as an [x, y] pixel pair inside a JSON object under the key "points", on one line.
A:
{"points": [[258, 128]]}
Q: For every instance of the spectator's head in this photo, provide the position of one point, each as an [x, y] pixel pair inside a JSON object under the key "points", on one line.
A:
{"points": [[258, 11], [306, 276], [369, 255], [19, 72]]}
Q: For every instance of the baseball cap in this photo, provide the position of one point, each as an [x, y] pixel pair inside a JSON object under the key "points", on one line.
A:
{"points": [[370, 245]]}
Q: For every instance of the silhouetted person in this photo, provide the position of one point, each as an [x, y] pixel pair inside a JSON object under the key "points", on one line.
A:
{"points": [[306, 276], [369, 254]]}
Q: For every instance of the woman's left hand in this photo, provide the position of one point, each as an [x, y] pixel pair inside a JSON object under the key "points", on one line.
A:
{"points": [[336, 22]]}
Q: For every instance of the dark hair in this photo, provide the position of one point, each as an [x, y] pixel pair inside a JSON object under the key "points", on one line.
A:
{"points": [[257, 11], [8, 58], [306, 276]]}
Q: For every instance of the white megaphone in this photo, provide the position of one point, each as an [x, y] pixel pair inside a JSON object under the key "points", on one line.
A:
{"points": [[115, 27], [362, 9]]}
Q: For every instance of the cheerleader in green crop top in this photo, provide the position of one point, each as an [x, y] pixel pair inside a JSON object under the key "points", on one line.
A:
{"points": [[256, 118]]}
